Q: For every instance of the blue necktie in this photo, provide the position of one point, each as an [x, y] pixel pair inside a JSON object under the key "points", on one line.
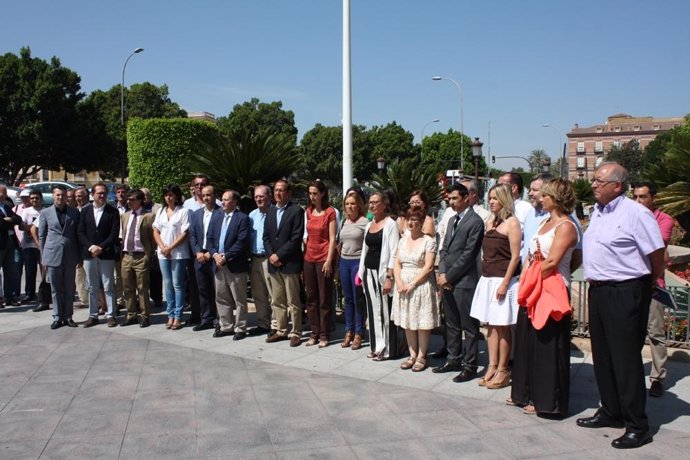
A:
{"points": [[223, 233]]}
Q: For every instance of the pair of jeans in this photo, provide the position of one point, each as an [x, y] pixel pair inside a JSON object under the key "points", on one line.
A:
{"points": [[354, 321], [30, 256], [174, 273]]}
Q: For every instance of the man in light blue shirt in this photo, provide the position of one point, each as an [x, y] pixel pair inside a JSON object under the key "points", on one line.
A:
{"points": [[258, 270]]}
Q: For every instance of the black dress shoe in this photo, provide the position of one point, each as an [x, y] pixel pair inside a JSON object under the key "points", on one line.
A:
{"points": [[41, 307], [144, 322], [129, 321], [219, 333], [239, 335], [56, 325], [632, 440], [447, 367], [203, 326], [69, 323], [656, 390], [465, 375], [599, 421]]}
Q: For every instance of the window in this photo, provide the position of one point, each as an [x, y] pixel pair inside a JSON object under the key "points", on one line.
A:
{"points": [[636, 128], [598, 146], [600, 129], [657, 127], [598, 161], [616, 144], [581, 162], [580, 147], [617, 129]]}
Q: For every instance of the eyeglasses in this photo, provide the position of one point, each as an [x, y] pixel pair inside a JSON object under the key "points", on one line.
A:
{"points": [[201, 184], [602, 182]]}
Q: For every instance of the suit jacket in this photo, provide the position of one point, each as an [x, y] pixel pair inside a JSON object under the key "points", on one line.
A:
{"points": [[5, 227], [285, 240], [145, 231], [236, 246], [196, 230], [106, 234], [59, 244], [461, 250]]}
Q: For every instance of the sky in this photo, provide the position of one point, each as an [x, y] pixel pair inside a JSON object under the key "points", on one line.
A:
{"points": [[520, 64]]}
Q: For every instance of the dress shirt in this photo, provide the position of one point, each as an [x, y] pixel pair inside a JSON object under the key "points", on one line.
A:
{"points": [[205, 221], [171, 229], [618, 240], [256, 232], [532, 221], [224, 231], [279, 213], [522, 208], [134, 221], [97, 213]]}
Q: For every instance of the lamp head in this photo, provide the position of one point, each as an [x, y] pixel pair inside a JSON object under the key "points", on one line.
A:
{"points": [[138, 50], [477, 148], [436, 78]]}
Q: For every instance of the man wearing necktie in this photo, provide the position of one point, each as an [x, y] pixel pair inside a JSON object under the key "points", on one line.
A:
{"points": [[458, 276], [228, 244], [137, 252]]}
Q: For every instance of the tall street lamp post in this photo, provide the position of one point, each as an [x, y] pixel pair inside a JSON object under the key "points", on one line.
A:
{"points": [[421, 141], [462, 130], [122, 104], [476, 155]]}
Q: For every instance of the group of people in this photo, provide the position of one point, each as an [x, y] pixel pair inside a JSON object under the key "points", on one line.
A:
{"points": [[508, 267]]}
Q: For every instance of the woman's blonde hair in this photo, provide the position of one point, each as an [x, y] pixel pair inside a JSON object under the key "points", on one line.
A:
{"points": [[504, 195], [562, 192], [358, 199]]}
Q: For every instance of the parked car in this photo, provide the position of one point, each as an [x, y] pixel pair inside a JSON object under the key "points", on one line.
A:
{"points": [[13, 193], [46, 188]]}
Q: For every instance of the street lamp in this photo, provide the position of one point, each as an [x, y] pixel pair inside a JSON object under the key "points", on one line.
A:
{"points": [[122, 105], [477, 155], [546, 165], [564, 162], [380, 164], [462, 130], [421, 141], [122, 87]]}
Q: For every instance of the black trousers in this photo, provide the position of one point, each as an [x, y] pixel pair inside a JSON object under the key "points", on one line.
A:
{"points": [[192, 290], [207, 291], [618, 316], [457, 305]]}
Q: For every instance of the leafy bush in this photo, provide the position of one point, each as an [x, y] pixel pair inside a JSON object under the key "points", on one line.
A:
{"points": [[160, 151]]}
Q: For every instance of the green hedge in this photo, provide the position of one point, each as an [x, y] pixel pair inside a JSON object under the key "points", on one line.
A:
{"points": [[159, 151]]}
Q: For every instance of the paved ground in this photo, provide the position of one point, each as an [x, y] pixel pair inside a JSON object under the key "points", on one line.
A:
{"points": [[148, 393]]}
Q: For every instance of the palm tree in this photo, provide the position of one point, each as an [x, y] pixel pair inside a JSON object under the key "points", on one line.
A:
{"points": [[404, 177], [536, 159], [245, 161], [584, 194]]}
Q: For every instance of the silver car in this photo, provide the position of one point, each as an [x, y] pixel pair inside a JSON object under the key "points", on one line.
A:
{"points": [[46, 189]]}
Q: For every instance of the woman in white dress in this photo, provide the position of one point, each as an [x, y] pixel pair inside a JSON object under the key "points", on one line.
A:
{"points": [[495, 299], [415, 303]]}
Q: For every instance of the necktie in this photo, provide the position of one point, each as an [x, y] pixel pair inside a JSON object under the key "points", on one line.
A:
{"points": [[129, 244], [223, 233], [455, 224]]}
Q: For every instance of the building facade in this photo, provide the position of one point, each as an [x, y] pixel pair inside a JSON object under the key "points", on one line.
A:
{"points": [[588, 146]]}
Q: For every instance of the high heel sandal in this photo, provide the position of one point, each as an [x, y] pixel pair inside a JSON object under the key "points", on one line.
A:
{"points": [[419, 365], [487, 378], [495, 385], [408, 363], [176, 325], [169, 324]]}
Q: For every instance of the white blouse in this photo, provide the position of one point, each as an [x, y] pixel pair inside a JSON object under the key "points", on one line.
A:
{"points": [[171, 229]]}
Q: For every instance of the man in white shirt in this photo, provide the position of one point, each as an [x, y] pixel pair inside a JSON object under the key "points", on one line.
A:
{"points": [[522, 208], [30, 246]]}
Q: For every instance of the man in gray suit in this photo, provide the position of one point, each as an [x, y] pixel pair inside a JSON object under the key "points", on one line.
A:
{"points": [[57, 233], [458, 276]]}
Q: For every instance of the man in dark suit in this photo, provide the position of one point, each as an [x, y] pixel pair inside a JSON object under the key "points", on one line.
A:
{"points": [[203, 262], [57, 235], [99, 229], [458, 276], [138, 249], [283, 232], [8, 246], [228, 243]]}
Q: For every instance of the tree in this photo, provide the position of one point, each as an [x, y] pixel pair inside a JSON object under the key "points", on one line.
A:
{"points": [[406, 176], [39, 118], [584, 194], [242, 163], [142, 100], [629, 156], [389, 142], [255, 116], [444, 149], [536, 159], [558, 167]]}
